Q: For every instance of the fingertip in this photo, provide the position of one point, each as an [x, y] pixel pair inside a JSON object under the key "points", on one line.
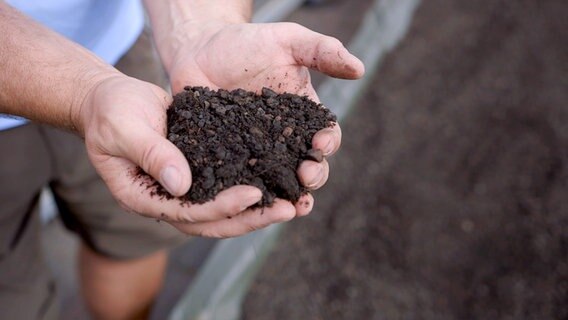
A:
{"points": [[350, 66], [283, 211], [336, 61], [248, 191], [356, 68], [176, 159], [310, 173], [253, 195], [304, 205], [175, 180], [327, 140], [170, 179], [239, 198]]}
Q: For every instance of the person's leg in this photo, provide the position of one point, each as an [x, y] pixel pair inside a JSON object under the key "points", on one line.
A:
{"points": [[26, 288], [123, 257], [118, 289], [122, 261]]}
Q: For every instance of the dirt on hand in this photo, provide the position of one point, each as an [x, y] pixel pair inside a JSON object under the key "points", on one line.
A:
{"points": [[238, 137]]}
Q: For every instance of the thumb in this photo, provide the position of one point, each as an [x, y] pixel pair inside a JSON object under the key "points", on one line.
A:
{"points": [[161, 159], [323, 53]]}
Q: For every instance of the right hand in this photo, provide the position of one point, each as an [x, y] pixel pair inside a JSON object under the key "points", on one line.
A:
{"points": [[124, 124]]}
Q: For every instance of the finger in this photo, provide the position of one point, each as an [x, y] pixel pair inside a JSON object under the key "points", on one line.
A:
{"points": [[313, 175], [226, 204], [309, 90], [317, 51], [135, 194], [159, 158], [248, 221], [305, 205], [328, 140]]}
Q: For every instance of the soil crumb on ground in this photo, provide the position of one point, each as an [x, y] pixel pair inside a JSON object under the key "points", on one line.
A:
{"points": [[239, 137]]}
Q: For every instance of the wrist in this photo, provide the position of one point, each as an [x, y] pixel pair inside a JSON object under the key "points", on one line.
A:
{"points": [[82, 108]]}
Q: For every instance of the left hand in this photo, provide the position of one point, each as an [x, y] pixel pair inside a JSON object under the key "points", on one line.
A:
{"points": [[253, 56]]}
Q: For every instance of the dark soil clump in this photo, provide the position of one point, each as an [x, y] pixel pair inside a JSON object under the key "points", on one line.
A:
{"points": [[238, 137]]}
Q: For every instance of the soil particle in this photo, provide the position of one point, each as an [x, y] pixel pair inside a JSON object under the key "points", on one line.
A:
{"points": [[314, 155], [238, 137]]}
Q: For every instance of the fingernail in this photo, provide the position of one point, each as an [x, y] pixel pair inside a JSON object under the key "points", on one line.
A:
{"points": [[317, 178], [171, 180], [329, 146]]}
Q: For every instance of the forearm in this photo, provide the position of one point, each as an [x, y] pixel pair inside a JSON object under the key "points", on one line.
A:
{"points": [[44, 77], [167, 16]]}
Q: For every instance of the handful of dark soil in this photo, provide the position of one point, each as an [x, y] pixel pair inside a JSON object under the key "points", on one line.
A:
{"points": [[239, 137]]}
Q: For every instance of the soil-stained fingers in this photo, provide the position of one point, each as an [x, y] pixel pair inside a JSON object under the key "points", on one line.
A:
{"points": [[304, 205], [243, 223], [313, 175], [134, 195], [227, 203], [320, 52], [328, 140]]}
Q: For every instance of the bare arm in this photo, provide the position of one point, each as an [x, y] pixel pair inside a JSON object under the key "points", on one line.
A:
{"points": [[44, 76], [47, 78]]}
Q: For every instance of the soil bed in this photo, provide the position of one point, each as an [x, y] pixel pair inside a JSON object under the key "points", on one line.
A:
{"points": [[238, 137], [448, 200]]}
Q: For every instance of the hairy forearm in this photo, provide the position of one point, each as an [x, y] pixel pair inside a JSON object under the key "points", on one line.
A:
{"points": [[44, 77], [168, 16]]}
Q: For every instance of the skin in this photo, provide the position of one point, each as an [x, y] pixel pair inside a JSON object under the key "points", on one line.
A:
{"points": [[123, 120], [202, 51]]}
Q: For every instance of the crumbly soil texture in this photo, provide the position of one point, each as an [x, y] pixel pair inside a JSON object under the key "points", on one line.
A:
{"points": [[242, 138]]}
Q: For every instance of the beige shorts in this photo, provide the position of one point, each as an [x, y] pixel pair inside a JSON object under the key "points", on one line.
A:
{"points": [[36, 156]]}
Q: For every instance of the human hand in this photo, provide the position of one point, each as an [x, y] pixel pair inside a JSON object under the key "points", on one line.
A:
{"points": [[253, 56], [124, 124]]}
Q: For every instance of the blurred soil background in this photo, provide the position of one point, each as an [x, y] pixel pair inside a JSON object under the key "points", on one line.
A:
{"points": [[449, 197]]}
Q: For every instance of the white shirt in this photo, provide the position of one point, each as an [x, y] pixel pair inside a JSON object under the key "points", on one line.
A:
{"points": [[108, 28]]}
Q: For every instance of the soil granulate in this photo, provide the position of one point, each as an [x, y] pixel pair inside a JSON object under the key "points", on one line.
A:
{"points": [[239, 137]]}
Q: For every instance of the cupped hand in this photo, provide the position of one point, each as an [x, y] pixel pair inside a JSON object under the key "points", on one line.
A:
{"points": [[253, 56], [124, 124]]}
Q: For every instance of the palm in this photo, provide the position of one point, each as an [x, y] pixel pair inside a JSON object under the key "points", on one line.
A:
{"points": [[253, 56], [244, 56], [125, 122]]}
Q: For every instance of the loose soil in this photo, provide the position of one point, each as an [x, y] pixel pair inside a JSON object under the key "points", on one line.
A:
{"points": [[449, 198], [238, 137]]}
